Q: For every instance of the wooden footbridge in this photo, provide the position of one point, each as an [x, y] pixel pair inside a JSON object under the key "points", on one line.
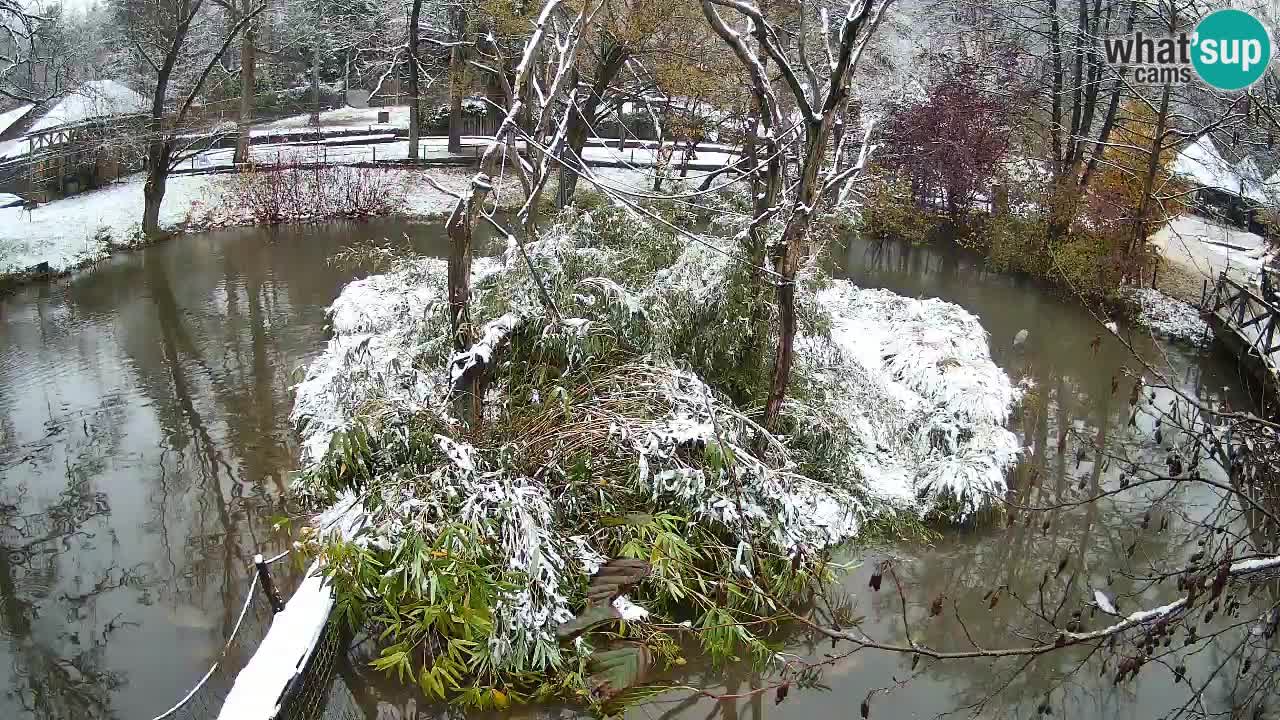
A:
{"points": [[1245, 319]]}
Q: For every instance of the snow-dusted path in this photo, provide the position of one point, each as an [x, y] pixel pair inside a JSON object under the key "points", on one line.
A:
{"points": [[1207, 248]]}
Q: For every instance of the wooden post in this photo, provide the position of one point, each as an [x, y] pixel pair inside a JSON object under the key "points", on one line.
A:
{"points": [[268, 585]]}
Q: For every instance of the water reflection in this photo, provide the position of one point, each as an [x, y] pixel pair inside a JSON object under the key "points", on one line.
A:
{"points": [[1078, 404], [144, 445]]}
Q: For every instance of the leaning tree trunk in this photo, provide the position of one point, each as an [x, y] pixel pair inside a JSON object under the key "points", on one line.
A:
{"points": [[456, 67], [248, 59], [1141, 219], [415, 101]]}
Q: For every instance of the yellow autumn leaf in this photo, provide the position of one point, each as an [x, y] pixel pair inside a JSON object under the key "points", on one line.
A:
{"points": [[499, 699]]}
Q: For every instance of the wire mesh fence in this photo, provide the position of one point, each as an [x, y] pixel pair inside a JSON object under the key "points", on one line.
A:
{"points": [[309, 697]]}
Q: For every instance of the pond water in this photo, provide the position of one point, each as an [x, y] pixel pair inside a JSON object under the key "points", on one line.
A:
{"points": [[144, 447]]}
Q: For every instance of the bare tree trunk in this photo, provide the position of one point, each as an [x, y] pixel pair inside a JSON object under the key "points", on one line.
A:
{"points": [[415, 99], [787, 263], [315, 84], [248, 60], [460, 233], [1141, 219], [456, 68], [158, 155], [161, 133], [346, 78]]}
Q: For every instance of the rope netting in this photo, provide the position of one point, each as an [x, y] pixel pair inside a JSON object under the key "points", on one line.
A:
{"points": [[322, 691], [309, 695]]}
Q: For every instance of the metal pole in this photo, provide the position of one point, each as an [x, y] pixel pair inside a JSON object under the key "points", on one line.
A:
{"points": [[268, 585]]}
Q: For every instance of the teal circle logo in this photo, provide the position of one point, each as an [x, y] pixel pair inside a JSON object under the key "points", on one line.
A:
{"points": [[1231, 49]]}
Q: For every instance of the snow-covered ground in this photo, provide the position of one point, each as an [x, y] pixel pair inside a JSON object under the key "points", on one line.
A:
{"points": [[77, 230], [85, 228], [353, 118], [347, 118], [81, 229], [1208, 248]]}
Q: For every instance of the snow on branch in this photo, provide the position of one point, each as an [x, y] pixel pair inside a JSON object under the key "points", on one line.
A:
{"points": [[464, 366]]}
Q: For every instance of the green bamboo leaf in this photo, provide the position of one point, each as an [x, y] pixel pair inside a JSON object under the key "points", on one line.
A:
{"points": [[630, 519]]}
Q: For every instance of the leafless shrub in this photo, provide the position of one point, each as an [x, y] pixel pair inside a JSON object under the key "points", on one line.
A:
{"points": [[290, 192]]}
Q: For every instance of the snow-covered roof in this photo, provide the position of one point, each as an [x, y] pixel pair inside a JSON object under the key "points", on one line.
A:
{"points": [[93, 99], [1203, 164], [12, 116]]}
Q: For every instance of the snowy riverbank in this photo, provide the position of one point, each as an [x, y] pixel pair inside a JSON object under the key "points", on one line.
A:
{"points": [[73, 232], [67, 234], [1169, 317]]}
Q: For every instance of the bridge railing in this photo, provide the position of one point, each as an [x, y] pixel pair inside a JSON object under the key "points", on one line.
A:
{"points": [[1248, 315]]}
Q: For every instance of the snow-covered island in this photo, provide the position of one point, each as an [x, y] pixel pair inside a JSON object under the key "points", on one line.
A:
{"points": [[613, 432]]}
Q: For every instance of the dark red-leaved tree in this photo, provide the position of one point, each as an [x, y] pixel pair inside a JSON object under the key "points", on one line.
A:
{"points": [[949, 144]]}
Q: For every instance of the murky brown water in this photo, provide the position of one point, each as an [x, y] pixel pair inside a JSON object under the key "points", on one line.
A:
{"points": [[144, 446]]}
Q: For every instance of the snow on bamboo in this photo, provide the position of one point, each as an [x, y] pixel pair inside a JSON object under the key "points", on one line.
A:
{"points": [[905, 389]]}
